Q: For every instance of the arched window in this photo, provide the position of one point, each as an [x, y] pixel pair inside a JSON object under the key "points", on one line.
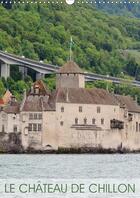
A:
{"points": [[15, 128], [76, 120], [61, 123], [102, 121], [30, 116], [98, 109], [80, 109], [3, 128], [62, 109], [85, 120], [93, 120]]}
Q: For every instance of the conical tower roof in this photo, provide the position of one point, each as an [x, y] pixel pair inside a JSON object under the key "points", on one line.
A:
{"points": [[70, 68]]}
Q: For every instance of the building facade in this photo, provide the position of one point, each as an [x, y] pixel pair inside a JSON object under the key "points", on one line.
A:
{"points": [[73, 116]]}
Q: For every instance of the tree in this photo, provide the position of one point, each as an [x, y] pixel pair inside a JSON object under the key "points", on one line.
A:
{"points": [[2, 88]]}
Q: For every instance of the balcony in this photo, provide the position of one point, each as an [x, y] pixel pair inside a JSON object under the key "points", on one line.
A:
{"points": [[116, 124]]}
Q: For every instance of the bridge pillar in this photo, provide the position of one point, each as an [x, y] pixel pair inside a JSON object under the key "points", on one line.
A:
{"points": [[23, 71], [5, 70], [39, 76]]}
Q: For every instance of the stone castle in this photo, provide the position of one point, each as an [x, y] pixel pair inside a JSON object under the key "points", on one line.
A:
{"points": [[72, 116]]}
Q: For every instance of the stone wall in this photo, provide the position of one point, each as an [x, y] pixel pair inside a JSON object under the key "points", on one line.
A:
{"points": [[10, 143], [70, 80]]}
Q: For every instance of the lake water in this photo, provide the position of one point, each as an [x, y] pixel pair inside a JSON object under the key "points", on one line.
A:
{"points": [[69, 166], [26, 172]]}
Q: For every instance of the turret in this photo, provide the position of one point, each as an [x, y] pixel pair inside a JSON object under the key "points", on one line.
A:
{"points": [[70, 75]]}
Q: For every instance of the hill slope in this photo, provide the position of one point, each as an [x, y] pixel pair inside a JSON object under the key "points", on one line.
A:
{"points": [[43, 32], [129, 8]]}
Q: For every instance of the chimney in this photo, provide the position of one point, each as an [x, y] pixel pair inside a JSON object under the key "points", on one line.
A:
{"points": [[13, 98], [32, 89], [36, 90]]}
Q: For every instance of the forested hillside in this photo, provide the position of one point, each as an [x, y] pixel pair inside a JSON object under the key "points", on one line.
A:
{"points": [[129, 8], [43, 31]]}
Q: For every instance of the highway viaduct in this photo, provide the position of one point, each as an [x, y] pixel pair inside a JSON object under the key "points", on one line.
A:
{"points": [[7, 59]]}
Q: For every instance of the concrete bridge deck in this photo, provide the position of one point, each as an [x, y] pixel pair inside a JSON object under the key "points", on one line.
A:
{"points": [[7, 59]]}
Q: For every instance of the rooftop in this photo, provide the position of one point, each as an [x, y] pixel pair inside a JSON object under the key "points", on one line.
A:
{"points": [[7, 97], [70, 68], [39, 88], [39, 98], [128, 102], [47, 100], [13, 107], [85, 96]]}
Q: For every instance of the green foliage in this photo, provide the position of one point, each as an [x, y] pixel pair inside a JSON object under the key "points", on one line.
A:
{"points": [[43, 32], [2, 88], [121, 89], [129, 8], [50, 82], [16, 87]]}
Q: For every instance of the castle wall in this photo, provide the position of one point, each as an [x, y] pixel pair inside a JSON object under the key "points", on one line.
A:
{"points": [[50, 132], [71, 136], [59, 130], [32, 129], [9, 122], [70, 80], [81, 134]]}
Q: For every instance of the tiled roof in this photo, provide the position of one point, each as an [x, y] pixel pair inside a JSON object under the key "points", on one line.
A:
{"points": [[71, 68], [85, 96], [128, 101], [1, 102], [12, 107], [47, 101], [39, 103], [7, 97], [42, 87], [43, 100], [68, 95]]}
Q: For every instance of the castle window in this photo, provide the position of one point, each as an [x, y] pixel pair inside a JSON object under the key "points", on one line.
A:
{"points": [[62, 109], [61, 123], [39, 116], [125, 113], [30, 116], [39, 127], [30, 127], [76, 120], [102, 121], [14, 117], [34, 127], [136, 126], [139, 127], [15, 128], [35, 116], [85, 120], [36, 89], [98, 109], [80, 109], [93, 121], [3, 128], [116, 124]]}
